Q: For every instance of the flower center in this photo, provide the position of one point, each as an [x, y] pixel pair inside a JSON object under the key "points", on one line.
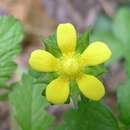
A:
{"points": [[70, 67]]}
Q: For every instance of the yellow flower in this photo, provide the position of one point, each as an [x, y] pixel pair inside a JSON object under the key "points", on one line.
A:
{"points": [[71, 66]]}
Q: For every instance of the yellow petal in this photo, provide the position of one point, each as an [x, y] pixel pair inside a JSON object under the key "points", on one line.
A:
{"points": [[43, 61], [96, 53], [91, 87], [66, 37], [57, 91]]}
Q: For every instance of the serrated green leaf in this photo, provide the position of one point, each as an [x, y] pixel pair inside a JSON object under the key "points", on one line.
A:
{"points": [[123, 96], [83, 42], [11, 34], [121, 26], [89, 116], [29, 106], [50, 44]]}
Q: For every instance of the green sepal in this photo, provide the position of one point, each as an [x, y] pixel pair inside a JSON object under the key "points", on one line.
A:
{"points": [[74, 92], [50, 44], [96, 70], [83, 42], [42, 77]]}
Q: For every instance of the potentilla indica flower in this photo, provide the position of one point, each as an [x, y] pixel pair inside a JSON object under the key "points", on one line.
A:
{"points": [[71, 66]]}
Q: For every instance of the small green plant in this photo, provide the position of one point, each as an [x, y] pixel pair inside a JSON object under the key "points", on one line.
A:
{"points": [[116, 33], [65, 71]]}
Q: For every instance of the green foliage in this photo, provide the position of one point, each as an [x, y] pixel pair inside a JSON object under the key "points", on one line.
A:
{"points": [[89, 116], [127, 63], [42, 77], [114, 44], [74, 92], [50, 44], [115, 33], [96, 70], [121, 28], [28, 105], [11, 34], [83, 42], [121, 25], [123, 97], [103, 23], [4, 96]]}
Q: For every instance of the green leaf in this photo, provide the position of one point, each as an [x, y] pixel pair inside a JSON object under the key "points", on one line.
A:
{"points": [[83, 42], [4, 96], [61, 127], [123, 98], [11, 34], [127, 61], [28, 105], [2, 84], [127, 64], [121, 26], [89, 116], [115, 44], [51, 45], [103, 23]]}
